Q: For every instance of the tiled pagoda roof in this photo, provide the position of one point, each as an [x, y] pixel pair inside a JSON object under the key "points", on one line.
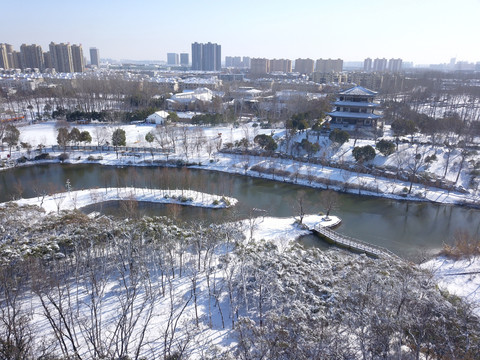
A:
{"points": [[352, 115], [362, 104], [358, 90]]}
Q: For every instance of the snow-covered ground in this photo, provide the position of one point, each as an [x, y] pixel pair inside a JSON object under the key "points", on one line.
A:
{"points": [[76, 199], [459, 277], [284, 230]]}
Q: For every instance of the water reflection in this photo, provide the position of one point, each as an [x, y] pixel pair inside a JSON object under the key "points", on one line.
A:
{"points": [[406, 228]]}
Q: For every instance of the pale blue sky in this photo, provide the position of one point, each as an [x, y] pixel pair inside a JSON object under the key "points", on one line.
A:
{"points": [[422, 31]]}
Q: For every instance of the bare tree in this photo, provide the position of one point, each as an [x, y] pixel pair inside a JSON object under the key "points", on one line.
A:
{"points": [[185, 140], [300, 204], [101, 134], [15, 321], [415, 164], [329, 201]]}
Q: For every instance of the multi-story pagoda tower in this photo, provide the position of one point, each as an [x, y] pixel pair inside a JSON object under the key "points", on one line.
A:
{"points": [[355, 108]]}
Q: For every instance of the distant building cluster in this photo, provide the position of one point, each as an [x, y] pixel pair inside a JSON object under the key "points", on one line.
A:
{"points": [[261, 66], [206, 57], [382, 65], [175, 59], [63, 57], [237, 62]]}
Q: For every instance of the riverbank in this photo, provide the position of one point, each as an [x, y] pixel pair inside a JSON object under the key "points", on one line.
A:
{"points": [[304, 174], [200, 147], [71, 200]]}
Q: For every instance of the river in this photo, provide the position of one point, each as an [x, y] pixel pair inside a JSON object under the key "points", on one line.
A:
{"points": [[410, 229]]}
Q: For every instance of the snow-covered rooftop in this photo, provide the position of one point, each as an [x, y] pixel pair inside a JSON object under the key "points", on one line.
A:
{"points": [[352, 115], [358, 90], [356, 104]]}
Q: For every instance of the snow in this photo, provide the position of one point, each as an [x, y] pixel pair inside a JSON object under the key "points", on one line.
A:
{"points": [[282, 231], [71, 200], [111, 292], [459, 277]]}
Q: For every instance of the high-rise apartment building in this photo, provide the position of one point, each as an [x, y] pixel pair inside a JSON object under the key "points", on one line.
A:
{"points": [[173, 59], [15, 59], [4, 63], [78, 59], [282, 65], [6, 56], [246, 62], [206, 57], [61, 56], [47, 59], [184, 59], [197, 56], [367, 65], [395, 65], [67, 58], [329, 65], [259, 66], [32, 57], [380, 65], [212, 57], [95, 57], [304, 66]]}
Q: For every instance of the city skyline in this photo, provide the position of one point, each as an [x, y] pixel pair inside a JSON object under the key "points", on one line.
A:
{"points": [[427, 32]]}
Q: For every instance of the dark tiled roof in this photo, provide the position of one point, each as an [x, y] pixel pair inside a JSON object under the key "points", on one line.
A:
{"points": [[362, 104], [358, 90], [352, 115]]}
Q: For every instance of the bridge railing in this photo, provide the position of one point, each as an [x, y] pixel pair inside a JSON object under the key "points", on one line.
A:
{"points": [[353, 242]]}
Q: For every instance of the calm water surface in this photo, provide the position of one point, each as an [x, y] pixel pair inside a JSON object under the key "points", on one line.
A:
{"points": [[408, 228]]}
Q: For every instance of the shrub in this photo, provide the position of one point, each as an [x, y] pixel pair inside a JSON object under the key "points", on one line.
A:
{"points": [[386, 147], [339, 136], [22, 160], [363, 153], [266, 142], [43, 156], [431, 158], [62, 157], [465, 245]]}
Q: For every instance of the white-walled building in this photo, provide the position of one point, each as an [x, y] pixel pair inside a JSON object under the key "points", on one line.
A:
{"points": [[159, 117]]}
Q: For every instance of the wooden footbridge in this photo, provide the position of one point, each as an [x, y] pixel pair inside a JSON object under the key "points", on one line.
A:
{"points": [[351, 243]]}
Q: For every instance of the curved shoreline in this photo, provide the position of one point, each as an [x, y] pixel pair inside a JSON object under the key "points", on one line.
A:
{"points": [[436, 196], [71, 200]]}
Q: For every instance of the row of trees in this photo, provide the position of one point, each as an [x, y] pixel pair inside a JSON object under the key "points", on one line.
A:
{"points": [[75, 136]]}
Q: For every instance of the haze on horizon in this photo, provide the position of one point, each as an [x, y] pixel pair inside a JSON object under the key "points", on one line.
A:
{"points": [[427, 31]]}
